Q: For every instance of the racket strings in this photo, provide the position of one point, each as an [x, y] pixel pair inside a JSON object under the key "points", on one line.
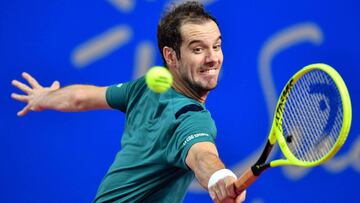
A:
{"points": [[296, 119], [312, 116], [306, 143], [302, 143], [313, 140], [331, 137], [320, 145]]}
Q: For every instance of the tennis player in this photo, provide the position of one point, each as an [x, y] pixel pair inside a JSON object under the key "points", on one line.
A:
{"points": [[169, 137]]}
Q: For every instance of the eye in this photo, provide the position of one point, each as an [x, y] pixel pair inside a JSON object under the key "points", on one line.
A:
{"points": [[217, 47], [198, 50]]}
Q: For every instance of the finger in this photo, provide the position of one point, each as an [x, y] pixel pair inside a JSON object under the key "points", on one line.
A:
{"points": [[228, 200], [21, 86], [222, 188], [230, 188], [24, 111], [22, 98], [31, 80], [219, 193], [241, 198], [212, 195], [55, 85], [215, 193]]}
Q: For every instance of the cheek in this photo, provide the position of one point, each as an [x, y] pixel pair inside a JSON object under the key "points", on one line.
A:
{"points": [[191, 62], [221, 57], [197, 60]]}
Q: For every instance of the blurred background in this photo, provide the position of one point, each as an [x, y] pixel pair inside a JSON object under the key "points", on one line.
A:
{"points": [[62, 157]]}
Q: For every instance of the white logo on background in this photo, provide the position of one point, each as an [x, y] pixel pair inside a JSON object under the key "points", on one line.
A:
{"points": [[116, 37]]}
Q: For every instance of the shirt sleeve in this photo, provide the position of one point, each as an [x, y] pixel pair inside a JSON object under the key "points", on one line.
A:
{"points": [[194, 127], [119, 95]]}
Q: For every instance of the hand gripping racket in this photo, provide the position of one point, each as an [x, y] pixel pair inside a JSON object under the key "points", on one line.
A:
{"points": [[311, 122]]}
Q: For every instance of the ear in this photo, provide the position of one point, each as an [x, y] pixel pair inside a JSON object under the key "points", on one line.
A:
{"points": [[169, 56]]}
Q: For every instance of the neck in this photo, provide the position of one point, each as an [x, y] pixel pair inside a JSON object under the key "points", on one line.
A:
{"points": [[185, 89]]}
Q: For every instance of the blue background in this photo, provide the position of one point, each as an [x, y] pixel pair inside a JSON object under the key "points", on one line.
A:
{"points": [[62, 157]]}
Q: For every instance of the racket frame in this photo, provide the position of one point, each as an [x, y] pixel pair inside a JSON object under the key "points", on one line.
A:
{"points": [[276, 130], [252, 173]]}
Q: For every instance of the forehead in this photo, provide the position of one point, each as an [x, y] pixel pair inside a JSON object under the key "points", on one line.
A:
{"points": [[205, 32]]}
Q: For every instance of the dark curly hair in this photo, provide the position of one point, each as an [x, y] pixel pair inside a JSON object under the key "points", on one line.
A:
{"points": [[168, 32]]}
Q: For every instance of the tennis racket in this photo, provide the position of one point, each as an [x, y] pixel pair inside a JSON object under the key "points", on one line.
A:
{"points": [[311, 122]]}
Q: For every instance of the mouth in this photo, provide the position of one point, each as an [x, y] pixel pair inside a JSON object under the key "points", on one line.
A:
{"points": [[208, 71]]}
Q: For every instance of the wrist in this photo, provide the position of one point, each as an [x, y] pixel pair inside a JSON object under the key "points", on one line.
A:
{"points": [[218, 175]]}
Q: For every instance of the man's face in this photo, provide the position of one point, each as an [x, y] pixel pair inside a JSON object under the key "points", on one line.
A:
{"points": [[201, 56]]}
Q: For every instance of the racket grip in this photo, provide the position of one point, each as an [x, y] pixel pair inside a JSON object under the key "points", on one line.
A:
{"points": [[245, 180]]}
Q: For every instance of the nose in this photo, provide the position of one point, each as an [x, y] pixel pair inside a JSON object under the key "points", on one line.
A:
{"points": [[211, 58]]}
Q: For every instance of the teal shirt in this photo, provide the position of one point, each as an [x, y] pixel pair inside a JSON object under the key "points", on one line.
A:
{"points": [[151, 166]]}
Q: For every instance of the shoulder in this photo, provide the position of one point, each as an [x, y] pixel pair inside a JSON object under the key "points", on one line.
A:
{"points": [[119, 95], [182, 105], [130, 85], [195, 118], [187, 109]]}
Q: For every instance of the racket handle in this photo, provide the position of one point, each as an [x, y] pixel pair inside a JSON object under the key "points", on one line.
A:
{"points": [[245, 180]]}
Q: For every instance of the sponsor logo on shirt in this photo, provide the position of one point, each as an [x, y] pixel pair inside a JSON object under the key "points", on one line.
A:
{"points": [[191, 137]]}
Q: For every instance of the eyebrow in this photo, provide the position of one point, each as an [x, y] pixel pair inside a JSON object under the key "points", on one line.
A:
{"points": [[200, 41]]}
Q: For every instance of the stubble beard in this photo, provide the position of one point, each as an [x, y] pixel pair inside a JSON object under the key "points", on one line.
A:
{"points": [[201, 87]]}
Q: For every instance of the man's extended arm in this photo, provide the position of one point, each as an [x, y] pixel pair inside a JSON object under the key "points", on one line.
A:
{"points": [[204, 160], [70, 98]]}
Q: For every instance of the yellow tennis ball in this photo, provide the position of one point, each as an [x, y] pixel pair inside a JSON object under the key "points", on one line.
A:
{"points": [[159, 79]]}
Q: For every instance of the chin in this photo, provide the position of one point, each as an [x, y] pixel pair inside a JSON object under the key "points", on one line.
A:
{"points": [[206, 85], [209, 87]]}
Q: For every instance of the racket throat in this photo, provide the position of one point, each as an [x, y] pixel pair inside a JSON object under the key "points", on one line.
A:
{"points": [[261, 164], [258, 169]]}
